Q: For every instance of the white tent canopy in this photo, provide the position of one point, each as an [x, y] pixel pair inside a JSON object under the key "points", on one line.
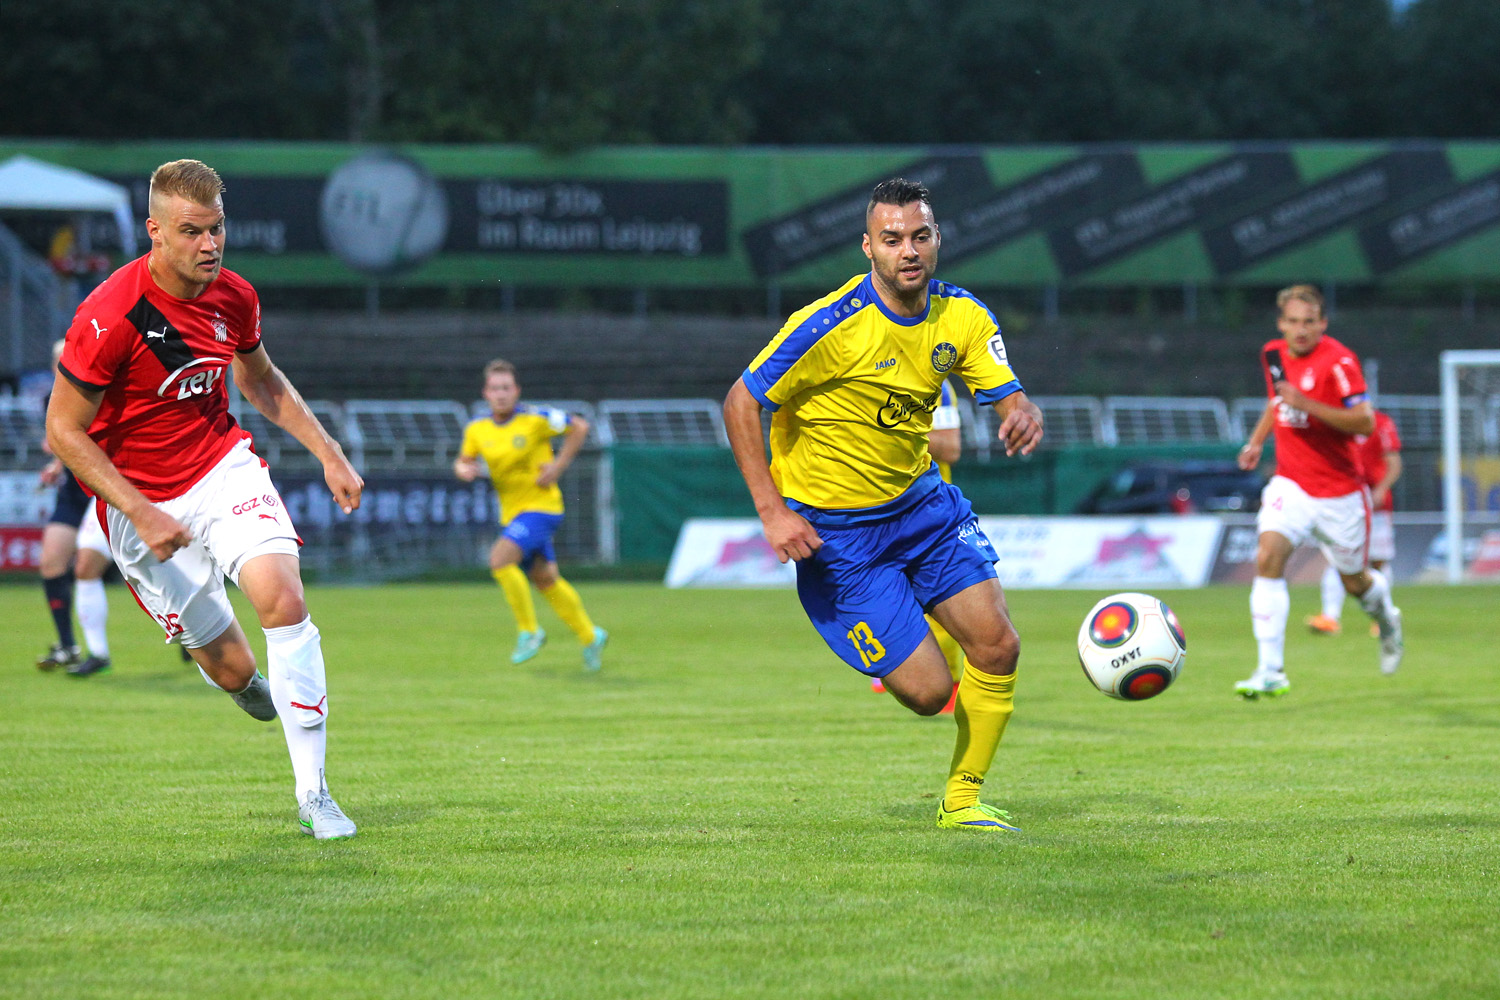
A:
{"points": [[29, 184]]}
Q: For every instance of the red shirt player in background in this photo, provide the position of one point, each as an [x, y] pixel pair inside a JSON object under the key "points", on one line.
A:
{"points": [[1380, 455], [140, 414], [1317, 406]]}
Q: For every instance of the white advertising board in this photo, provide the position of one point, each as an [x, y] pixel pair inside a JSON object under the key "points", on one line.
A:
{"points": [[1104, 553], [1086, 553], [23, 498]]}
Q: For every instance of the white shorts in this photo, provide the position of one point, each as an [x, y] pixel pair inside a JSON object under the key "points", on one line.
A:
{"points": [[233, 514], [1382, 537], [91, 532], [1339, 525]]}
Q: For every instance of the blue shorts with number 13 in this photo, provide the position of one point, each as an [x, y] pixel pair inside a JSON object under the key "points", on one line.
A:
{"points": [[880, 569]]}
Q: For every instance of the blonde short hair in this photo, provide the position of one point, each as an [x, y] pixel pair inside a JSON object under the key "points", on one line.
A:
{"points": [[1302, 293], [191, 179], [500, 367]]}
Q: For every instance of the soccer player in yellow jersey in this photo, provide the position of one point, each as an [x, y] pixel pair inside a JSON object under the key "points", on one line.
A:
{"points": [[514, 444], [852, 495]]}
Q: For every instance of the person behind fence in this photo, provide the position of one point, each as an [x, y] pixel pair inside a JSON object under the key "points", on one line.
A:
{"points": [[74, 558], [514, 444], [1380, 456], [140, 414], [853, 497], [1317, 405]]}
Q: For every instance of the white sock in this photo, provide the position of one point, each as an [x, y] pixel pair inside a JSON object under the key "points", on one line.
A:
{"points": [[93, 615], [1269, 605], [1377, 599], [1333, 594], [294, 655]]}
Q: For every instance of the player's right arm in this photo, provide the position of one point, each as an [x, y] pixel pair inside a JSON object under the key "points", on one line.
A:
{"points": [[467, 465], [788, 533], [1249, 456], [69, 414]]}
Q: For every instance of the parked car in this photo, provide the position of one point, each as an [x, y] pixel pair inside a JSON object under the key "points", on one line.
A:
{"points": [[1176, 487]]}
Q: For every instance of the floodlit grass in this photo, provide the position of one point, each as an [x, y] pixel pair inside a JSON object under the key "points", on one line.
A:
{"points": [[727, 811]]}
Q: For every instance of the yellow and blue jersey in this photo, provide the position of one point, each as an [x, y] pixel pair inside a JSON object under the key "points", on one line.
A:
{"points": [[853, 387], [515, 452]]}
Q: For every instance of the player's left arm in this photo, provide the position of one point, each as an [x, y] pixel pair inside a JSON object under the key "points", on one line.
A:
{"points": [[1020, 423], [1393, 467], [270, 392], [573, 439]]}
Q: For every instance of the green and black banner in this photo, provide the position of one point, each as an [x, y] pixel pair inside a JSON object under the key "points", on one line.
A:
{"points": [[1103, 215]]}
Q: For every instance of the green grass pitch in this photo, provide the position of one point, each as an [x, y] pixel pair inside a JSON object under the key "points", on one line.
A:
{"points": [[727, 811]]}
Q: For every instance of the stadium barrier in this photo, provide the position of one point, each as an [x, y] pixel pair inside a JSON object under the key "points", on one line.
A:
{"points": [[650, 465]]}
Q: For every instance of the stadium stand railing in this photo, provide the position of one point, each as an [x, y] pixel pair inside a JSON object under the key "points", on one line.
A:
{"points": [[1069, 420], [390, 434], [1419, 419], [1166, 420], [21, 432], [662, 421], [420, 438], [1244, 414], [280, 450], [479, 409]]}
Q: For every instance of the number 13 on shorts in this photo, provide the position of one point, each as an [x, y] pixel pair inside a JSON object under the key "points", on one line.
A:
{"points": [[869, 647]]}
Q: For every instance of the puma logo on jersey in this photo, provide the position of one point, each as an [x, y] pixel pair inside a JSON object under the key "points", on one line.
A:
{"points": [[154, 335], [99, 331]]}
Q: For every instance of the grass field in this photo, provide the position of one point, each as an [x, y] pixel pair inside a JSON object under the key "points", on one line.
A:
{"points": [[727, 811]]}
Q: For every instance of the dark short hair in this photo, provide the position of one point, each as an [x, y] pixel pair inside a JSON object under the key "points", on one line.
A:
{"points": [[898, 191]]}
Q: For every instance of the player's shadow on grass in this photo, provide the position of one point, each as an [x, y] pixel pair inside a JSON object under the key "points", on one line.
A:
{"points": [[166, 681]]}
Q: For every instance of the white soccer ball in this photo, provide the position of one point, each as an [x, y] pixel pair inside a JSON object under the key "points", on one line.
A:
{"points": [[1131, 646]]}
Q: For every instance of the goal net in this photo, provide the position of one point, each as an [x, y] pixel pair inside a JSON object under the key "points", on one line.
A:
{"points": [[1471, 463]]}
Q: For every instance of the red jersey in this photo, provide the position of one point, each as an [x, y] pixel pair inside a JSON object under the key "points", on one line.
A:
{"points": [[1372, 452], [161, 362], [1318, 458]]}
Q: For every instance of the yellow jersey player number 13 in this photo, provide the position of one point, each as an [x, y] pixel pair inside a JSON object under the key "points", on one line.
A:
{"points": [[851, 493]]}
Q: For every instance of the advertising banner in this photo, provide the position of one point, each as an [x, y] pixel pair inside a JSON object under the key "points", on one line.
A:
{"points": [[1088, 553], [20, 548], [1106, 215], [726, 552]]}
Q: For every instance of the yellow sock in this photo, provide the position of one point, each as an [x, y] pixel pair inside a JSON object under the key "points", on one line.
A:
{"points": [[569, 607], [517, 590], [952, 651], [983, 709]]}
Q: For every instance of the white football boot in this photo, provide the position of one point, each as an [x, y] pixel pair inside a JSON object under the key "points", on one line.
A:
{"points": [[322, 818], [1392, 643]]}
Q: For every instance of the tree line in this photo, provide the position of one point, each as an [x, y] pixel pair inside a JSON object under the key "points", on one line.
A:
{"points": [[570, 74]]}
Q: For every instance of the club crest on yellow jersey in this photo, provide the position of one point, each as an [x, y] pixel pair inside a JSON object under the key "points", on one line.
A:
{"points": [[944, 356]]}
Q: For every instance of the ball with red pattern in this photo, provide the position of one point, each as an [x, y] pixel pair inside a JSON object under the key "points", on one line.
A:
{"points": [[1131, 646]]}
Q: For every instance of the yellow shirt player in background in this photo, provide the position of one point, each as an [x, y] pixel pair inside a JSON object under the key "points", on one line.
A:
{"points": [[514, 445], [852, 495]]}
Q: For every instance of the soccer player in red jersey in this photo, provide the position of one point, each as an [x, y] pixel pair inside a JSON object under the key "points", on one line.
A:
{"points": [[1380, 455], [140, 414], [1317, 406]]}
